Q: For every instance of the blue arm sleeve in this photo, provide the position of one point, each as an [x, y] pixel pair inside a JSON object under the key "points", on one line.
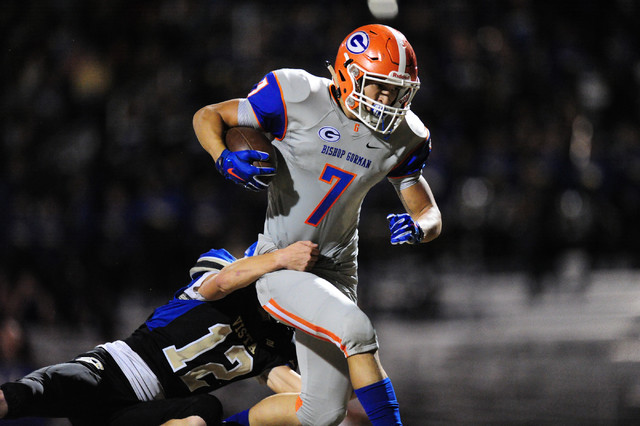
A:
{"points": [[268, 105], [414, 162]]}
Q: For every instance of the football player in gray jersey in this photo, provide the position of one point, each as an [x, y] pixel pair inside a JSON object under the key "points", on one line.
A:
{"points": [[335, 139]]}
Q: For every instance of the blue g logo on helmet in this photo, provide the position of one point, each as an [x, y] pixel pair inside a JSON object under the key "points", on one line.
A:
{"points": [[329, 134], [358, 42]]}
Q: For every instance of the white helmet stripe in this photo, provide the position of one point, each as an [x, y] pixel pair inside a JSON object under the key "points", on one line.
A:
{"points": [[402, 63]]}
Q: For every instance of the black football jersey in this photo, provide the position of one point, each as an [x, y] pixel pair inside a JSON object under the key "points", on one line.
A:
{"points": [[198, 346]]}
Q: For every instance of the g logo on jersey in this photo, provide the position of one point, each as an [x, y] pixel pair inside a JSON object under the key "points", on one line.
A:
{"points": [[329, 134], [358, 42]]}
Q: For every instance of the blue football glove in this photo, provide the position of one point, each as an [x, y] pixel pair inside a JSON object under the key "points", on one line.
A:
{"points": [[238, 167], [404, 230]]}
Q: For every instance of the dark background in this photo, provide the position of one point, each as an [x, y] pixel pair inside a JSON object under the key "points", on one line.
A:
{"points": [[105, 192]]}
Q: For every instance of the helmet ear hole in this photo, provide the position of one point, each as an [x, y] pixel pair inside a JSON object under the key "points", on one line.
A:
{"points": [[344, 80]]}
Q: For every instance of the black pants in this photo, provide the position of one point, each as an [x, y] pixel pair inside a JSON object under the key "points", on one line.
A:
{"points": [[94, 391]]}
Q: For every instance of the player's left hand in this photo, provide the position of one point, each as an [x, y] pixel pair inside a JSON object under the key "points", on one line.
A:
{"points": [[404, 230]]}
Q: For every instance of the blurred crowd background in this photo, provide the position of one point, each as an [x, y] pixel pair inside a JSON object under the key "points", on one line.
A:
{"points": [[533, 108]]}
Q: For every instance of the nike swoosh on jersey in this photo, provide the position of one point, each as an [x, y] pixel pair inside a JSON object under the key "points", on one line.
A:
{"points": [[373, 147]]}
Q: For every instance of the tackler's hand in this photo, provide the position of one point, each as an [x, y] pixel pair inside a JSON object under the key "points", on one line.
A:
{"points": [[238, 167], [299, 256], [404, 230]]}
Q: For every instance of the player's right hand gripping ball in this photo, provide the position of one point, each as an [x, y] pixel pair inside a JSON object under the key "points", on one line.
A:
{"points": [[404, 230], [238, 167]]}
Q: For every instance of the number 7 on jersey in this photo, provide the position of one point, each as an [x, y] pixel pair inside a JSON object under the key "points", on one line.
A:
{"points": [[341, 179]]}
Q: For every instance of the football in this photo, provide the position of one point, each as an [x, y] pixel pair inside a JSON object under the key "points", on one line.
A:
{"points": [[244, 138]]}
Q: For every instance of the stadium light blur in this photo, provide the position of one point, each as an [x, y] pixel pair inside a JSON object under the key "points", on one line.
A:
{"points": [[383, 9]]}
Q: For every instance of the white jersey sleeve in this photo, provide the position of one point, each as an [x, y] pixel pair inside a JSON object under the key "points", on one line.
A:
{"points": [[246, 117]]}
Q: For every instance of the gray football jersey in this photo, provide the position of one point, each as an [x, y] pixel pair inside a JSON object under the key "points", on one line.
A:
{"points": [[326, 164]]}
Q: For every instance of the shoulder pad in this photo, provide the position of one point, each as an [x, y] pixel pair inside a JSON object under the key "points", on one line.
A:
{"points": [[416, 125], [298, 84]]}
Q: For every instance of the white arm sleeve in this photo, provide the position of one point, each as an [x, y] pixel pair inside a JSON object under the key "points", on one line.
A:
{"points": [[405, 182], [246, 116]]}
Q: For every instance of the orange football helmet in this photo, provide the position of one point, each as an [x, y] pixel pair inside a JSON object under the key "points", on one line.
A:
{"points": [[376, 54]]}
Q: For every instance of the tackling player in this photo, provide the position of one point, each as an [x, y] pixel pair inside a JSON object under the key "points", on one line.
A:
{"points": [[334, 139], [194, 344]]}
